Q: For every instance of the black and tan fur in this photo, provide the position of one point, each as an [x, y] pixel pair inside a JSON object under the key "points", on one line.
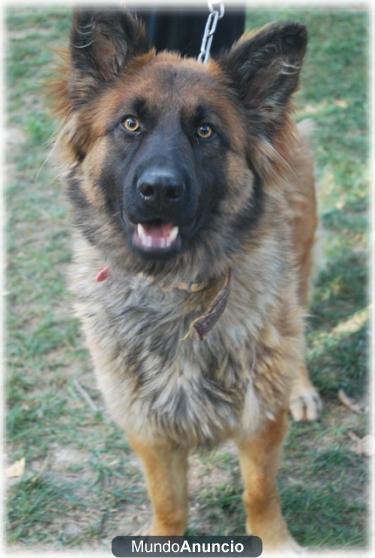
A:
{"points": [[252, 206]]}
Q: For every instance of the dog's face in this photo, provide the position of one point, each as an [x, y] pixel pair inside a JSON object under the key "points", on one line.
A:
{"points": [[166, 155], [168, 145]]}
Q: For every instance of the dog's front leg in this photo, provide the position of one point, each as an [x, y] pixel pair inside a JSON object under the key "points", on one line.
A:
{"points": [[259, 457], [165, 469]]}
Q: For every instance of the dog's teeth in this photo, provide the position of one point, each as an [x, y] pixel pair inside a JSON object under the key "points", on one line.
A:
{"points": [[173, 234], [149, 240], [141, 232]]}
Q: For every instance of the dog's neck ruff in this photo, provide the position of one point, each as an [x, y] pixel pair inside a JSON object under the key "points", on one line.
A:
{"points": [[217, 301]]}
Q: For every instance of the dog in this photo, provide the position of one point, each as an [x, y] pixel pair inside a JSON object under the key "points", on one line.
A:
{"points": [[195, 215]]}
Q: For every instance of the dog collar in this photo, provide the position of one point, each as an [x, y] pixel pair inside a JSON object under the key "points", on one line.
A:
{"points": [[102, 275], [193, 287], [217, 301]]}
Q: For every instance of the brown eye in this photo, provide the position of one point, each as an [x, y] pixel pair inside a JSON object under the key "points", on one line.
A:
{"points": [[131, 124], [204, 131]]}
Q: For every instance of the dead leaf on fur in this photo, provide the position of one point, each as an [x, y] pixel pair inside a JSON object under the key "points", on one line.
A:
{"points": [[357, 408], [362, 446], [17, 469]]}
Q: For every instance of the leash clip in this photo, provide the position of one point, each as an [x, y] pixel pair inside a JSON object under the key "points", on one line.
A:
{"points": [[216, 13]]}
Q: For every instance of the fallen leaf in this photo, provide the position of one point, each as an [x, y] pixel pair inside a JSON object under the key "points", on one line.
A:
{"points": [[342, 103], [17, 469], [349, 403], [362, 446]]}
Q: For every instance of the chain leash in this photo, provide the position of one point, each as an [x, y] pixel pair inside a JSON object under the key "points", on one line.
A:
{"points": [[216, 12]]}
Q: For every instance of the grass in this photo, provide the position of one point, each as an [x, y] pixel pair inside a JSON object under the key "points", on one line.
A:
{"points": [[81, 485]]}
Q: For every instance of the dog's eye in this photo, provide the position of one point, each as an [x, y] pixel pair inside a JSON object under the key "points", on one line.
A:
{"points": [[131, 124], [205, 131]]}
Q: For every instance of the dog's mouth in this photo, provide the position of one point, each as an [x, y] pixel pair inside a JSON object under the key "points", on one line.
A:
{"points": [[156, 238]]}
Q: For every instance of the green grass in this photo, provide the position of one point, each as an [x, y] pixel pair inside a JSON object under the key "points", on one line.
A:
{"points": [[82, 486]]}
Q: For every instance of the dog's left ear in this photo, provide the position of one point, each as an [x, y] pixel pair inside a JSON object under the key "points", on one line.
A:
{"points": [[264, 69]]}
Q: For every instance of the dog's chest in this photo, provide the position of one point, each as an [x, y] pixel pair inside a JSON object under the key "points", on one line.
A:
{"points": [[158, 377]]}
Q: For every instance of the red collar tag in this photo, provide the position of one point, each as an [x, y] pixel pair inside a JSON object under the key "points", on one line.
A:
{"points": [[103, 274]]}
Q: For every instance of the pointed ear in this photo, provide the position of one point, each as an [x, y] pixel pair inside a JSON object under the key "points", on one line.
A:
{"points": [[101, 44], [264, 69]]}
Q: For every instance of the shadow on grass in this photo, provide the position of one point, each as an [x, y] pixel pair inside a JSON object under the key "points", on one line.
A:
{"points": [[337, 342]]}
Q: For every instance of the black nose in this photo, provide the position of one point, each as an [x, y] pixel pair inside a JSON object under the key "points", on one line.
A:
{"points": [[160, 187]]}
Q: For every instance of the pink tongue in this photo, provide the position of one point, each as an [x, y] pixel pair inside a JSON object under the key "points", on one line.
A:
{"points": [[161, 231]]}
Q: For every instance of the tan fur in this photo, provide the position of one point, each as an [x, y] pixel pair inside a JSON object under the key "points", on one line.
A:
{"points": [[259, 457], [305, 403], [91, 167], [165, 469]]}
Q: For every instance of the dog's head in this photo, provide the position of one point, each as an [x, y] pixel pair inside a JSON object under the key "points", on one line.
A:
{"points": [[167, 157]]}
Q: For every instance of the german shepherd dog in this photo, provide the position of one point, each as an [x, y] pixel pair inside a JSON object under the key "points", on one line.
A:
{"points": [[194, 205]]}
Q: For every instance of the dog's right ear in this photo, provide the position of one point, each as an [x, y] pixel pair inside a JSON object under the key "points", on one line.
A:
{"points": [[102, 42]]}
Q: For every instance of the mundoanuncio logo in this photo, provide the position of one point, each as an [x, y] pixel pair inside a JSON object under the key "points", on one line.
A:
{"points": [[246, 546]]}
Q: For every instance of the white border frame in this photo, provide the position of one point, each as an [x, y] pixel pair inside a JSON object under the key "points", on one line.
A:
{"points": [[260, 4]]}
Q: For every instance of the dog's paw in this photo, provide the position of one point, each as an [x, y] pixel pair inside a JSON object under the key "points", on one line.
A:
{"points": [[305, 403], [291, 548], [143, 531], [287, 548]]}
